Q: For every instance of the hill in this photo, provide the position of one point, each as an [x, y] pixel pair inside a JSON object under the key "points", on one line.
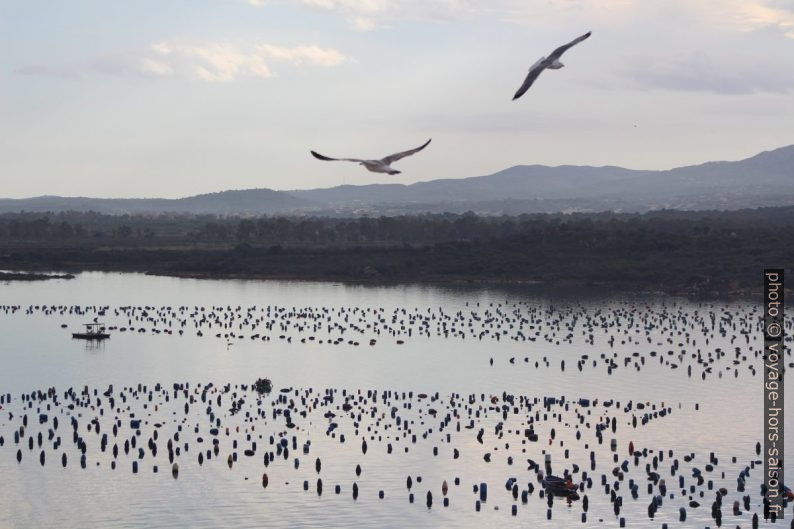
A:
{"points": [[766, 179], [238, 202]]}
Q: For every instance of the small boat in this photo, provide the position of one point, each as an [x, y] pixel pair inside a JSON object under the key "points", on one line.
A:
{"points": [[93, 331], [559, 486]]}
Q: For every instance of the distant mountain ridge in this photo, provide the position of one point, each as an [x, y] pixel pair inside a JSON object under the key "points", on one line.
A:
{"points": [[768, 173], [766, 179], [237, 202]]}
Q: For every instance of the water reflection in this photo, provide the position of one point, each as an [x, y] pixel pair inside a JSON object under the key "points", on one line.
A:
{"points": [[717, 413]]}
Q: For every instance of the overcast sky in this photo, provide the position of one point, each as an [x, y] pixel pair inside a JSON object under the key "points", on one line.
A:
{"points": [[177, 97]]}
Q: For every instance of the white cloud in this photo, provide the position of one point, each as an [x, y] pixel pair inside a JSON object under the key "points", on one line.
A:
{"points": [[215, 62], [211, 62], [701, 72], [155, 67], [303, 55], [740, 15], [752, 15], [364, 24], [732, 15], [356, 6], [367, 15]]}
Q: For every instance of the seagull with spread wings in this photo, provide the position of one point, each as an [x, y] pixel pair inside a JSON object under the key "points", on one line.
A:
{"points": [[376, 166], [552, 62]]}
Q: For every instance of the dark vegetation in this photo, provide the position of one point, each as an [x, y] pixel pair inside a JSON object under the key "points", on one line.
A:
{"points": [[693, 253], [24, 276]]}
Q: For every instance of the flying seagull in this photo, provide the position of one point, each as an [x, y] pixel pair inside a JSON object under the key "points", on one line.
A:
{"points": [[552, 62], [376, 166]]}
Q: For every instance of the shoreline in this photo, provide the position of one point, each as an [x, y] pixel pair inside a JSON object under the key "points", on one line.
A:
{"points": [[31, 276], [561, 287]]}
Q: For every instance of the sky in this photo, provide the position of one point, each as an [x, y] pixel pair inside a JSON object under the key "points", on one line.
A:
{"points": [[170, 98]]}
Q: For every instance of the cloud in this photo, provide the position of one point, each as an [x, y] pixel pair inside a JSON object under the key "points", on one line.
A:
{"points": [[754, 15], [303, 55], [367, 15], [738, 15], [364, 24], [731, 15], [210, 62], [699, 72], [213, 62], [741, 15]]}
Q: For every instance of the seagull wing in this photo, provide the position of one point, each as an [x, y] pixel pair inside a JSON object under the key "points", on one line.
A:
{"points": [[398, 156], [327, 159], [534, 71], [556, 54]]}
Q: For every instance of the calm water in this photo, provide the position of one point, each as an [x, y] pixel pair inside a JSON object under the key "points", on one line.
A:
{"points": [[38, 353]]}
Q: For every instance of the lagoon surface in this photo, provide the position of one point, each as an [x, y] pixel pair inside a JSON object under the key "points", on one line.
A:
{"points": [[448, 361]]}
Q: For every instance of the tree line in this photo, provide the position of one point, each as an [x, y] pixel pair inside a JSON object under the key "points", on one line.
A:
{"points": [[422, 229], [691, 253]]}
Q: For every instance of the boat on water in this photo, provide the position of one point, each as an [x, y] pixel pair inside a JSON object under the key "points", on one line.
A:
{"points": [[93, 331], [560, 487]]}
